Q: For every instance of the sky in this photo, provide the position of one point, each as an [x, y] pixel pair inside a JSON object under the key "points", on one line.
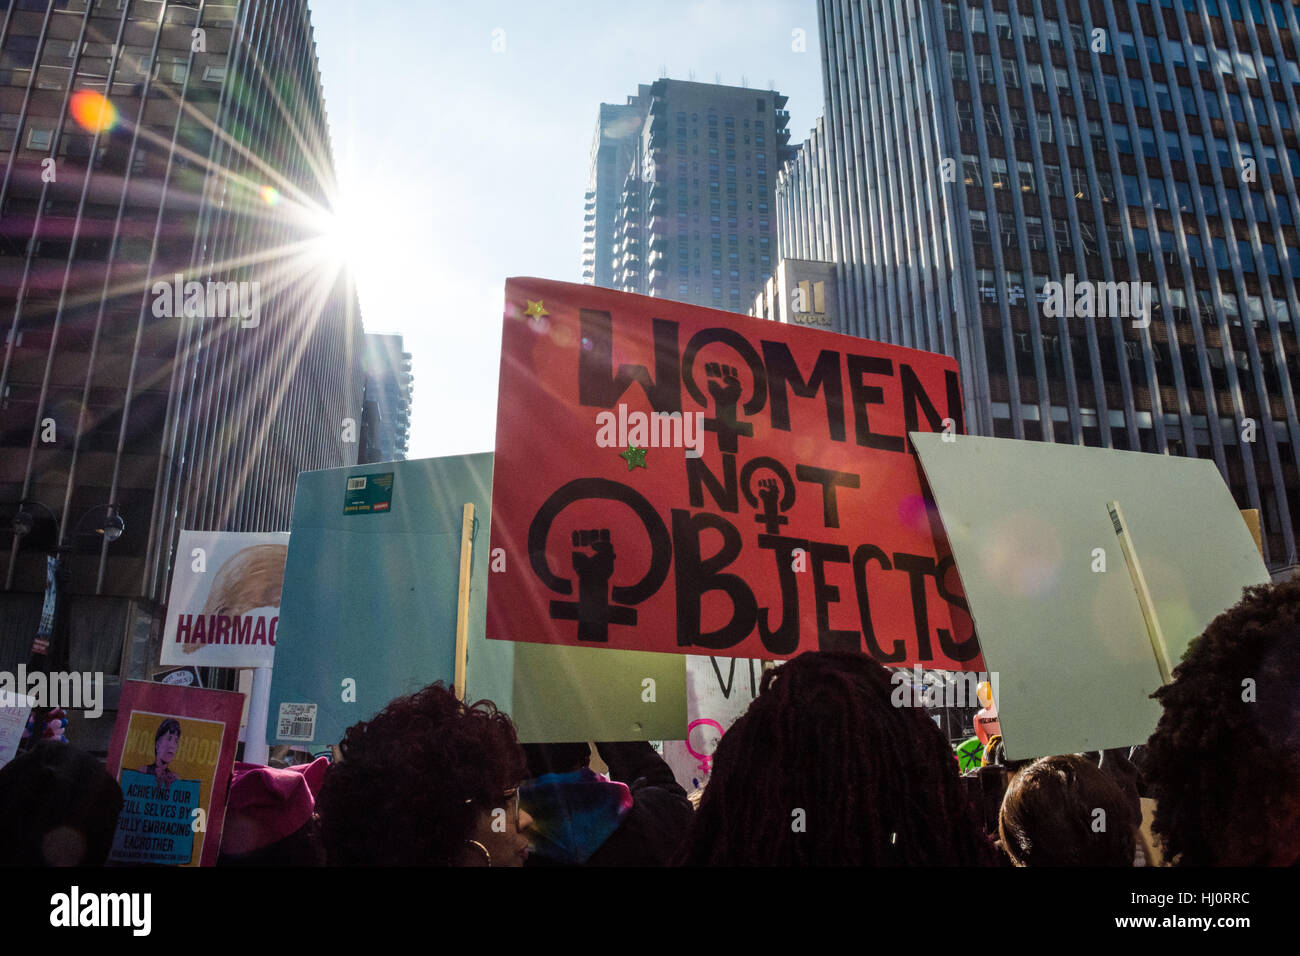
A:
{"points": [[462, 137]]}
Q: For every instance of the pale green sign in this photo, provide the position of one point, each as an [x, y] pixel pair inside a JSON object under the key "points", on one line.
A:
{"points": [[1052, 593]]}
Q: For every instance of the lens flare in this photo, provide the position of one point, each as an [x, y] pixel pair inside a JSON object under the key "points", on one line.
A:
{"points": [[270, 195], [1022, 555], [93, 111]]}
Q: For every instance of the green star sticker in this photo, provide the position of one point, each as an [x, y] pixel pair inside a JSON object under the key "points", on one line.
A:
{"points": [[635, 457]]}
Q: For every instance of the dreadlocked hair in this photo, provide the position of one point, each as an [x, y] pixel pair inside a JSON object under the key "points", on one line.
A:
{"points": [[822, 746], [1224, 764], [413, 779]]}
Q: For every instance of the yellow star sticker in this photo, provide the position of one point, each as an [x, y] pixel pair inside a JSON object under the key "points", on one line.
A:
{"points": [[535, 308]]}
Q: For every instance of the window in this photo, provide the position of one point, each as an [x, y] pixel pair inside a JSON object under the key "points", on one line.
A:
{"points": [[1011, 74], [957, 64], [984, 68], [1036, 78], [1110, 83], [39, 138], [1007, 227], [1159, 198], [1055, 183], [979, 227], [1132, 191], [951, 16], [1019, 124], [999, 176], [1027, 181], [1147, 137], [1123, 142], [965, 116], [1221, 260], [1080, 183], [1071, 131], [1139, 93], [1245, 255], [1173, 146], [1163, 100], [1034, 233], [1046, 132], [971, 170], [992, 121]]}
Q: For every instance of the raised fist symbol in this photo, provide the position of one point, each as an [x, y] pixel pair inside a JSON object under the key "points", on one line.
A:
{"points": [[597, 566], [724, 385]]}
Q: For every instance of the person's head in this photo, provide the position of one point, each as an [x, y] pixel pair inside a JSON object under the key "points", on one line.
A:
{"points": [[824, 769], [422, 783], [1063, 811], [166, 741], [58, 807], [269, 819], [556, 758], [1224, 762]]}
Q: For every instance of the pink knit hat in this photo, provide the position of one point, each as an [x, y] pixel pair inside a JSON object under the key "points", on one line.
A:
{"points": [[267, 804]]}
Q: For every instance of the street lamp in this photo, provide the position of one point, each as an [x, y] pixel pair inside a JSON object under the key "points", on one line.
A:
{"points": [[109, 524]]}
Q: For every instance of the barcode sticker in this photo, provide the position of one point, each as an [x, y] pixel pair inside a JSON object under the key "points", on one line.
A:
{"points": [[296, 722], [356, 484]]}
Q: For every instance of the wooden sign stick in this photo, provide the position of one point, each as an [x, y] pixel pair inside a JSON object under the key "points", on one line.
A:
{"points": [[462, 600], [1156, 636]]}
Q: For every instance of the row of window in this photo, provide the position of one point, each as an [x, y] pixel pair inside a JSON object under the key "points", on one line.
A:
{"points": [[986, 75], [1253, 311], [974, 18]]}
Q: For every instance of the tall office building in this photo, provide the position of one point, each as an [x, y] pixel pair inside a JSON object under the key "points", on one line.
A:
{"points": [[993, 177], [614, 148], [177, 345], [386, 421], [694, 219]]}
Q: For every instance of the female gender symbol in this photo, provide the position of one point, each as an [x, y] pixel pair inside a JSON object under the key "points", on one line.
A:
{"points": [[706, 760]]}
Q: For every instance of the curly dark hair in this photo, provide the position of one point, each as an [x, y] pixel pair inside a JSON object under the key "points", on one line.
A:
{"points": [[1225, 769], [1049, 814], [877, 784], [412, 780]]}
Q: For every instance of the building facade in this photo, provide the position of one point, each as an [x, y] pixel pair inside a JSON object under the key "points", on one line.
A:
{"points": [[614, 148], [175, 346], [386, 422], [695, 219], [803, 292], [1091, 205]]}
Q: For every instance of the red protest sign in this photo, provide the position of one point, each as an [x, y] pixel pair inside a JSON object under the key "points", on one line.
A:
{"points": [[800, 526], [172, 752]]}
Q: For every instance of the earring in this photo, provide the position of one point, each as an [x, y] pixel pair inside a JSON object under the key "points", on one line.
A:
{"points": [[483, 848]]}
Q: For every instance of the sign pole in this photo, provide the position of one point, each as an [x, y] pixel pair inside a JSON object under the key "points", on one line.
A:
{"points": [[462, 600], [259, 704], [1154, 633]]}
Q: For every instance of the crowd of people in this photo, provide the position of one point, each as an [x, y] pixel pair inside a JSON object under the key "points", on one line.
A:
{"points": [[822, 769]]}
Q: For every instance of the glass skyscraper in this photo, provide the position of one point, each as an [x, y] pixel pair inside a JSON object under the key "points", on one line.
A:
{"points": [[177, 343], [981, 163]]}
